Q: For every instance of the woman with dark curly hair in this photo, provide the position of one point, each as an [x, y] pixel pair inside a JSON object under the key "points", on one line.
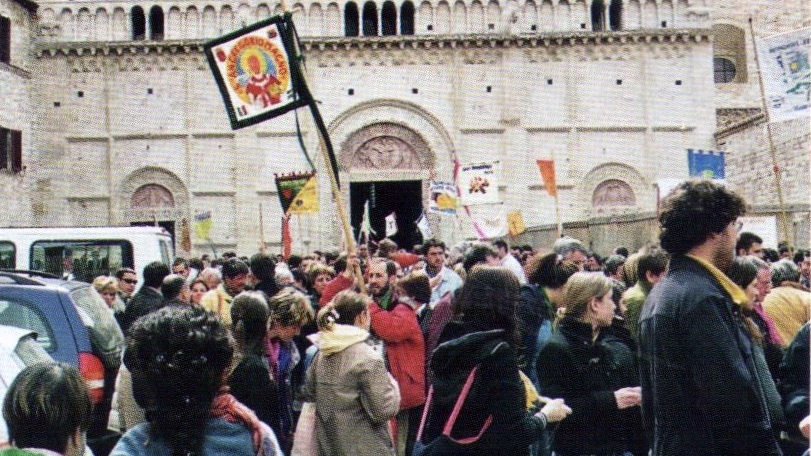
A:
{"points": [[179, 358]]}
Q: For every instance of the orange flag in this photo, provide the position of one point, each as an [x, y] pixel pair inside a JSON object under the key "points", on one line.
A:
{"points": [[287, 241], [547, 168]]}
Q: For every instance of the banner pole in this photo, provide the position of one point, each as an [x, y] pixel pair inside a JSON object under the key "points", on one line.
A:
{"points": [[558, 222], [772, 149], [263, 245]]}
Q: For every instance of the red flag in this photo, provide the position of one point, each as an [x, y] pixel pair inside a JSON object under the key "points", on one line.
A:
{"points": [[547, 168], [287, 241]]}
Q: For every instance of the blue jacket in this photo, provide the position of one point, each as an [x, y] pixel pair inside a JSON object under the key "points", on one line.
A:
{"points": [[701, 393], [222, 438]]}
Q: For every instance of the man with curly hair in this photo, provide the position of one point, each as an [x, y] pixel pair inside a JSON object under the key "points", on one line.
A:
{"points": [[701, 394]]}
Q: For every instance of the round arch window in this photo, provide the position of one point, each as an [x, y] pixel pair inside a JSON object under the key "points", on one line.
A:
{"points": [[725, 70]]}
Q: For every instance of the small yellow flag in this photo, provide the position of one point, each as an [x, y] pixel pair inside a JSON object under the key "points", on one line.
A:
{"points": [[516, 223]]}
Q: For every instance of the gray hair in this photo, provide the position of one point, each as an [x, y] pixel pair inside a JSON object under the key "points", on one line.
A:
{"points": [[783, 271], [284, 277], [566, 245]]}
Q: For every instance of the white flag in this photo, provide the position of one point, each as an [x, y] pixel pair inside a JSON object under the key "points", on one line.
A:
{"points": [[391, 225], [786, 74], [422, 225]]}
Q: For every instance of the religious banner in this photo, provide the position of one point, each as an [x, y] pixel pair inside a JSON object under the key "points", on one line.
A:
{"points": [[255, 73], [391, 224], [478, 183], [202, 225], [786, 74], [547, 168], [443, 198], [515, 222], [298, 192], [489, 222], [706, 165]]}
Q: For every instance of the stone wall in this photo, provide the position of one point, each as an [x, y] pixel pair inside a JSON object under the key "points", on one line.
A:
{"points": [[153, 110], [16, 114], [750, 170]]}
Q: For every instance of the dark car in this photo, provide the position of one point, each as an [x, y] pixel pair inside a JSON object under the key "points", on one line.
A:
{"points": [[74, 325]]}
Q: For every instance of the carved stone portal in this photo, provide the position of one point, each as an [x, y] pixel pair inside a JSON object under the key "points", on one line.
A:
{"points": [[612, 193], [385, 146], [386, 152], [152, 196]]}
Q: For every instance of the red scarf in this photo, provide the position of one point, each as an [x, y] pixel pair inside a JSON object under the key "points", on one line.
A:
{"points": [[226, 406]]}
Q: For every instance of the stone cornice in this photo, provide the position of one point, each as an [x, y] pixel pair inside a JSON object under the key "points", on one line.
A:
{"points": [[433, 42]]}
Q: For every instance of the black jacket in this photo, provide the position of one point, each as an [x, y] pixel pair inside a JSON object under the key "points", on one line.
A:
{"points": [[585, 373], [794, 376], [532, 311], [251, 385], [701, 394], [497, 391], [145, 301]]}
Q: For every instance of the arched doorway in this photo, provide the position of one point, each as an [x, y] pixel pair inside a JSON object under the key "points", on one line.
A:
{"points": [[388, 168], [153, 196]]}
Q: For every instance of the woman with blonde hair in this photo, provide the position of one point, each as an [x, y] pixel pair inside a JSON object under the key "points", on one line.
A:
{"points": [[108, 289], [594, 371], [354, 395]]}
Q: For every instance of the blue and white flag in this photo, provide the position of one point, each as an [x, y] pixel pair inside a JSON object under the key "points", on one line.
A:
{"points": [[705, 164]]}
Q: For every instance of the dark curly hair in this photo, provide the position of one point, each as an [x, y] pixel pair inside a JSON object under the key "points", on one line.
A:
{"points": [[178, 356], [694, 211], [488, 300]]}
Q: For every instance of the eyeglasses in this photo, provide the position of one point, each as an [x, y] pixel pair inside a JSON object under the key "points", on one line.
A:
{"points": [[129, 281]]}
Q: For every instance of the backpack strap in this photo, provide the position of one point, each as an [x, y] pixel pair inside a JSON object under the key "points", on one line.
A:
{"points": [[425, 413], [458, 408]]}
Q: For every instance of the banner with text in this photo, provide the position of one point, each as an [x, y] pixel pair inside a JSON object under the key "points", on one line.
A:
{"points": [[786, 74], [478, 183], [443, 198]]}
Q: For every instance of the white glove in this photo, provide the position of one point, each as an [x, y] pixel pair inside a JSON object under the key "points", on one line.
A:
{"points": [[554, 411]]}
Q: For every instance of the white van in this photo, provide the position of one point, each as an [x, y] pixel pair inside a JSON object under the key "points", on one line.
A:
{"points": [[84, 253]]}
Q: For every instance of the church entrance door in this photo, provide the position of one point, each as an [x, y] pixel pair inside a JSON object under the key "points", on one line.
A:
{"points": [[402, 198]]}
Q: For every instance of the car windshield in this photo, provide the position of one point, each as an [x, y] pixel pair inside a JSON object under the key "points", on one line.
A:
{"points": [[105, 335]]}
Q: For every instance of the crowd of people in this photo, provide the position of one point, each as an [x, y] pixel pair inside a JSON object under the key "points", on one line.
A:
{"points": [[695, 345]]}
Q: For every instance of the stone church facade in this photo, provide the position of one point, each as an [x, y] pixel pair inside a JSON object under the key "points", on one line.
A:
{"points": [[129, 127]]}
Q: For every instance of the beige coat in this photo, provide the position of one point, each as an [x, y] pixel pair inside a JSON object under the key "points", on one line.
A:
{"points": [[354, 396]]}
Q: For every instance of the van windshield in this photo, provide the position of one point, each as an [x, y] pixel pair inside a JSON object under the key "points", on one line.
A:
{"points": [[81, 260]]}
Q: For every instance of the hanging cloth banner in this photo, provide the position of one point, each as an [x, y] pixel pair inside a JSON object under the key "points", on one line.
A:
{"points": [[298, 193], [786, 74], [424, 227], [547, 168], [515, 222], [443, 198], [257, 71], [202, 225], [391, 224], [489, 222], [478, 183], [706, 165]]}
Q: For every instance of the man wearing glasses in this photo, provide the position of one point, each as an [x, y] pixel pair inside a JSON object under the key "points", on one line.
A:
{"points": [[126, 283]]}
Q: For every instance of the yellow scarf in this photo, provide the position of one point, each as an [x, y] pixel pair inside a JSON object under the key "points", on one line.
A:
{"points": [[735, 292]]}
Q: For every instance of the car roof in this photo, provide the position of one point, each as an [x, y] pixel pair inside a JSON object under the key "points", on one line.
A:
{"points": [[26, 278], [85, 231]]}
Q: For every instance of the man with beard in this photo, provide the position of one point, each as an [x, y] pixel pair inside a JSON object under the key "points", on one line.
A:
{"points": [[701, 394], [443, 279]]}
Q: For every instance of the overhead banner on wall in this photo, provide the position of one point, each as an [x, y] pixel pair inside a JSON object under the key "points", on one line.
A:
{"points": [[443, 198], [478, 183], [786, 74]]}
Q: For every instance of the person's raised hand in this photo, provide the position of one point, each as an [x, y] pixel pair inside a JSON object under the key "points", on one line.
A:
{"points": [[351, 262], [628, 397]]}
